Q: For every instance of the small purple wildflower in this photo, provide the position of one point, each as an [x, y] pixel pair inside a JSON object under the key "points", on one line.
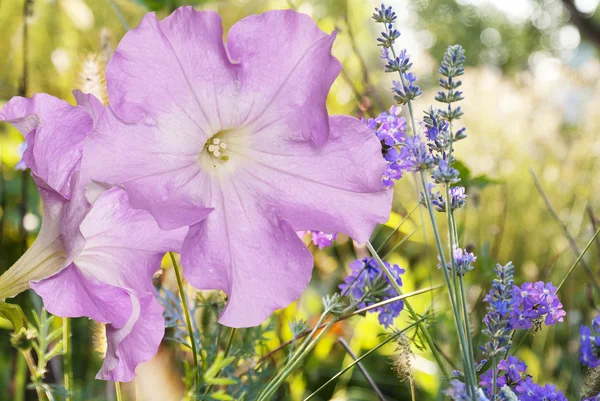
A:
{"points": [[458, 392], [462, 261], [420, 157], [390, 129], [589, 353], [321, 239], [527, 390], [534, 303], [370, 285]]}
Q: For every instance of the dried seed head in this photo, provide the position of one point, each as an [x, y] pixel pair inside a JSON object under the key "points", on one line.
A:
{"points": [[591, 383], [402, 359], [23, 339], [99, 338], [92, 79]]}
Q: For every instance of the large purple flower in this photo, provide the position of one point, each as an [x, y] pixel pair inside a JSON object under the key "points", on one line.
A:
{"points": [[235, 142], [95, 255]]}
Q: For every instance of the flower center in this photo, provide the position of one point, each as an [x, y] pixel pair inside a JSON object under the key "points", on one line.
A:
{"points": [[217, 148]]}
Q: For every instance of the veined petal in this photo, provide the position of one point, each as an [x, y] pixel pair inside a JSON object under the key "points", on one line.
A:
{"points": [[127, 240], [71, 294], [46, 256], [110, 280], [249, 252], [176, 69], [155, 164], [286, 72], [54, 131], [333, 188], [134, 343]]}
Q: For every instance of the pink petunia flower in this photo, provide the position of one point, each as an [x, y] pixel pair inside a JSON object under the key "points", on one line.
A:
{"points": [[234, 141], [95, 255]]}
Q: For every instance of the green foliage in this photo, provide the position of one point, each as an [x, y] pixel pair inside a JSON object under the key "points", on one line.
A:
{"points": [[14, 314]]}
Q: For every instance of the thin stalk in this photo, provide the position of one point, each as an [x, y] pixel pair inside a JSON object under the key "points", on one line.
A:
{"points": [[444, 269], [402, 241], [117, 11], [186, 310], [389, 237], [357, 312], [363, 356], [591, 241], [68, 370], [362, 369], [272, 388], [459, 291], [118, 391], [225, 354], [411, 311], [563, 226]]}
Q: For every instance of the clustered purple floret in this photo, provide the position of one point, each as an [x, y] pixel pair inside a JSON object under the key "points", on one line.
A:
{"points": [[589, 353], [512, 373], [463, 261], [370, 285], [321, 239], [534, 303], [390, 129], [458, 392]]}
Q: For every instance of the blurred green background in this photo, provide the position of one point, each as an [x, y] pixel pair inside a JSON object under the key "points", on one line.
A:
{"points": [[532, 102]]}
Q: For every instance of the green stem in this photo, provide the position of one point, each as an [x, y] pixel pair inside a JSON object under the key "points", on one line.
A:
{"points": [[118, 391], [270, 390], [362, 369], [358, 360], [459, 295], [578, 260], [389, 237], [186, 310], [68, 369], [411, 311], [225, 354], [444, 269]]}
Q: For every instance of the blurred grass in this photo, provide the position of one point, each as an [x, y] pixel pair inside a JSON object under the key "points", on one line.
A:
{"points": [[537, 111]]}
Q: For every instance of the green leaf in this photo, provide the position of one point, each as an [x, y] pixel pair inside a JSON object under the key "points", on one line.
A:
{"points": [[14, 314], [220, 381], [222, 396]]}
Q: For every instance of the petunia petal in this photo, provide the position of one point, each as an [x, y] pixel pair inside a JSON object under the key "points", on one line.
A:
{"points": [[134, 343], [71, 294], [175, 69], [154, 164], [126, 239], [250, 253], [286, 71], [54, 131], [332, 188]]}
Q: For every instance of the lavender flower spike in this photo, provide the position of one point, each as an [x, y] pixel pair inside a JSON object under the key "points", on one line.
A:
{"points": [[234, 141]]}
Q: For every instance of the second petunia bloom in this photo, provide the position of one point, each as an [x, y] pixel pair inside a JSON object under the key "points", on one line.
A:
{"points": [[234, 141]]}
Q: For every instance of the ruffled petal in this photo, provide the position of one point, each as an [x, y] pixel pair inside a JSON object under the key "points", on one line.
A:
{"points": [[333, 188], [71, 294], [110, 280], [245, 249], [155, 164], [286, 71], [134, 343], [177, 70], [126, 239], [54, 131]]}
